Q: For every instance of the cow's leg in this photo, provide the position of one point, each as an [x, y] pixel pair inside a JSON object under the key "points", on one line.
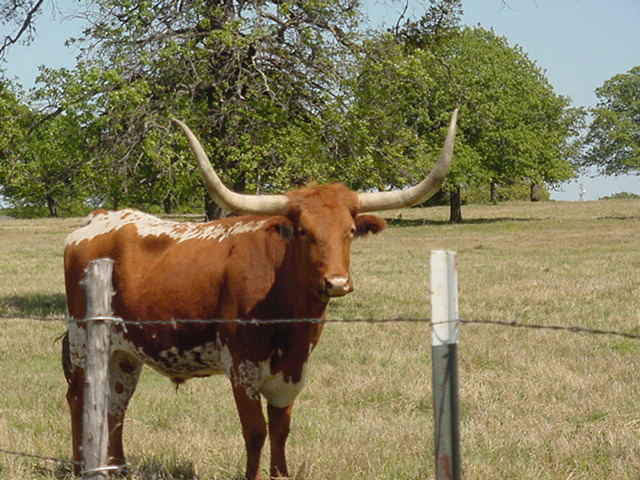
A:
{"points": [[254, 428], [75, 398], [124, 371], [75, 395], [279, 421]]}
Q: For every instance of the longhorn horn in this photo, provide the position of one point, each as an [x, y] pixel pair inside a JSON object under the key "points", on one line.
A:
{"points": [[370, 202], [227, 199]]}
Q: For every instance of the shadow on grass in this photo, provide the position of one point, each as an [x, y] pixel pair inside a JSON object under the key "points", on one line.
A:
{"points": [[59, 472], [152, 468], [33, 305], [176, 469], [182, 470], [420, 222], [630, 217]]}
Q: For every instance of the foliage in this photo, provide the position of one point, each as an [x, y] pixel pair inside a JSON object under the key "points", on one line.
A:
{"points": [[621, 196], [613, 138], [39, 178], [480, 194], [393, 133], [253, 79], [514, 123], [281, 93], [513, 128], [11, 113], [42, 157]]}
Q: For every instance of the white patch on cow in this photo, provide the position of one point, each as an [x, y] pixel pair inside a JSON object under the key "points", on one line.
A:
{"points": [[281, 393], [256, 379], [226, 360], [148, 225], [122, 383], [249, 376]]}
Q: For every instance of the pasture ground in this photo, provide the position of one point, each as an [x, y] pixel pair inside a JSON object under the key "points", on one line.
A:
{"points": [[535, 404]]}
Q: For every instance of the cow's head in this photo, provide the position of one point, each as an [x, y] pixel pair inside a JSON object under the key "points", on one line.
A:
{"points": [[325, 218]]}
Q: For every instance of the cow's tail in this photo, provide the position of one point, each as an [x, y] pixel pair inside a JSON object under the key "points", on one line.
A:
{"points": [[66, 357]]}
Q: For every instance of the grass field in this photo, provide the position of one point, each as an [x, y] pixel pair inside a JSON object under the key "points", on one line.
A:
{"points": [[535, 404]]}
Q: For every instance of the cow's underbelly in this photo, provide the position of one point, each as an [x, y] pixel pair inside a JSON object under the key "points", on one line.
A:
{"points": [[209, 358]]}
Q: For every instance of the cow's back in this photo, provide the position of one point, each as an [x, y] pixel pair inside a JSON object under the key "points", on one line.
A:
{"points": [[165, 270]]}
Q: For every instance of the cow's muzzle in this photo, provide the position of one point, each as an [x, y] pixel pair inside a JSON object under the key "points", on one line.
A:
{"points": [[336, 286]]}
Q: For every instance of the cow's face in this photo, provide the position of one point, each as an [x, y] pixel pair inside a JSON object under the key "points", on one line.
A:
{"points": [[325, 223]]}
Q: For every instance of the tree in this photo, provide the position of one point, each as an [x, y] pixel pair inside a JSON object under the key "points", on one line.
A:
{"points": [[389, 129], [513, 127], [254, 79], [613, 138], [269, 86], [40, 175], [394, 124]]}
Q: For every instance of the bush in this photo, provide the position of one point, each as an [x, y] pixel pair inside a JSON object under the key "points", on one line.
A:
{"points": [[621, 196]]}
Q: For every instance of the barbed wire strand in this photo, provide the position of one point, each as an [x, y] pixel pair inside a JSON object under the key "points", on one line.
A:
{"points": [[257, 322], [240, 321], [565, 328], [39, 457]]}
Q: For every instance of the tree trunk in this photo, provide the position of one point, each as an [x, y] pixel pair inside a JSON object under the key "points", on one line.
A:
{"points": [[493, 193], [213, 211], [455, 205], [52, 206], [167, 206], [534, 195]]}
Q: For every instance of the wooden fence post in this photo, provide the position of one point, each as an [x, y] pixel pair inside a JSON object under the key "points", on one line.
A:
{"points": [[444, 343], [95, 428]]}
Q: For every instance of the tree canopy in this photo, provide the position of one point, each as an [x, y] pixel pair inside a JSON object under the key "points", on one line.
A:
{"points": [[281, 93], [613, 139], [513, 128]]}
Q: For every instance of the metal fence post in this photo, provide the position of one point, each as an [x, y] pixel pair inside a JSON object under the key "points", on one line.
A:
{"points": [[95, 428], [444, 340]]}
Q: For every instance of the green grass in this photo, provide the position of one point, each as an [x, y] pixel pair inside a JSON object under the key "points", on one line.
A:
{"points": [[534, 404]]}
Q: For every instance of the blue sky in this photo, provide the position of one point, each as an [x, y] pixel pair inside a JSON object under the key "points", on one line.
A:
{"points": [[579, 43]]}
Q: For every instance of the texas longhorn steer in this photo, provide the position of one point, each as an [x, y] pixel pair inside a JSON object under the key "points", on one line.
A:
{"points": [[283, 258]]}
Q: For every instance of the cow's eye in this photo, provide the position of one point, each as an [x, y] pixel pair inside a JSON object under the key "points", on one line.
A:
{"points": [[303, 232]]}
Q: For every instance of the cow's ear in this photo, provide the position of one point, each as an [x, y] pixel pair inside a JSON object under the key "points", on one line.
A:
{"points": [[369, 224], [283, 227]]}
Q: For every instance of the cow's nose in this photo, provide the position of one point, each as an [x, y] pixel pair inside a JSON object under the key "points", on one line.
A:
{"points": [[337, 286]]}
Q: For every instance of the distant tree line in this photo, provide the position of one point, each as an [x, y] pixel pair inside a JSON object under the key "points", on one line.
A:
{"points": [[283, 93]]}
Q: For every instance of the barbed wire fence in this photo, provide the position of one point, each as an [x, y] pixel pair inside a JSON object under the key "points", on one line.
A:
{"points": [[424, 320], [434, 325]]}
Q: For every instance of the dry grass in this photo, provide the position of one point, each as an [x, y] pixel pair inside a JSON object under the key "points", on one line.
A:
{"points": [[535, 404]]}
